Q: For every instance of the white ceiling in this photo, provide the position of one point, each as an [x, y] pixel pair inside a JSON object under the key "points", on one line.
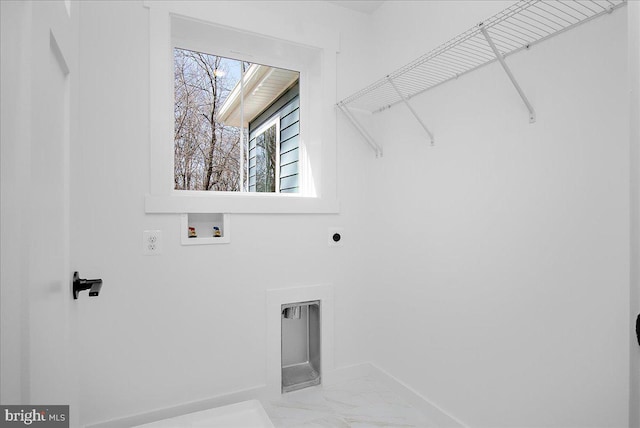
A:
{"points": [[365, 6]]}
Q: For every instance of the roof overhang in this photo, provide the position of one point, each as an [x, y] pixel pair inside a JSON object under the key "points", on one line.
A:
{"points": [[262, 85]]}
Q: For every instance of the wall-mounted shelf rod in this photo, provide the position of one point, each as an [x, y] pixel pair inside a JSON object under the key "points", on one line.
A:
{"points": [[406, 101], [532, 112], [516, 28]]}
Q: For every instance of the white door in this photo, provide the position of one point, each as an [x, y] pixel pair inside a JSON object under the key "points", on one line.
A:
{"points": [[50, 295], [634, 73], [42, 46]]}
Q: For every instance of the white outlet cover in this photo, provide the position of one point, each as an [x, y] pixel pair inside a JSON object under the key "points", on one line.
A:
{"points": [[151, 242], [332, 231]]}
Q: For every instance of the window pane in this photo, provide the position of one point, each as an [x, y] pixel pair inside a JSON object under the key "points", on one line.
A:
{"points": [[266, 152], [207, 153], [230, 119]]}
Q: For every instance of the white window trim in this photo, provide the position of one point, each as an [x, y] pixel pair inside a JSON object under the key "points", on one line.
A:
{"points": [[317, 107]]}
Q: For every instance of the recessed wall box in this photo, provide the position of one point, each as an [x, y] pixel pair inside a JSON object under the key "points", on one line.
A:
{"points": [[203, 226], [300, 345]]}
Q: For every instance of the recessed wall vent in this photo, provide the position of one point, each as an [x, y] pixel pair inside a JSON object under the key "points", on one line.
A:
{"points": [[300, 323]]}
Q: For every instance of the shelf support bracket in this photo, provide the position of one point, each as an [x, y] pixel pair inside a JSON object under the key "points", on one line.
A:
{"points": [[532, 112], [368, 138], [406, 102]]}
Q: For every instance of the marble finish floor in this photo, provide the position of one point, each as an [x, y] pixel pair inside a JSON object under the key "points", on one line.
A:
{"points": [[359, 403]]}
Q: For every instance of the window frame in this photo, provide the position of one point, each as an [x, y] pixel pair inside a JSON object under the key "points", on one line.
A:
{"points": [[258, 40]]}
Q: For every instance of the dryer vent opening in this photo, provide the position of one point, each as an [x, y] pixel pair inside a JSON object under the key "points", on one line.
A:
{"points": [[300, 324]]}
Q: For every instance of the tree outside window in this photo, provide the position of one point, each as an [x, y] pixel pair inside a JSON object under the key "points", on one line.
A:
{"points": [[207, 153]]}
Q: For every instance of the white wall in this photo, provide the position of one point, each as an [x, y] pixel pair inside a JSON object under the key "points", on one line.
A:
{"points": [[500, 286], [490, 273], [189, 324]]}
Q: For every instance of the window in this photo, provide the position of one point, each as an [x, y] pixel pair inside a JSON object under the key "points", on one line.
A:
{"points": [[216, 100], [263, 160], [243, 34]]}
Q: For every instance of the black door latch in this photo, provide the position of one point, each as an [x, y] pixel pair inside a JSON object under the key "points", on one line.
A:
{"points": [[93, 285]]}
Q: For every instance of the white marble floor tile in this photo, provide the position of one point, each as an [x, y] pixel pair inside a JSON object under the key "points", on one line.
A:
{"points": [[358, 403]]}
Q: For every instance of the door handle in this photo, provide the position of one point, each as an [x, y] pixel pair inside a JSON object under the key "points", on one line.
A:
{"points": [[638, 329], [93, 285]]}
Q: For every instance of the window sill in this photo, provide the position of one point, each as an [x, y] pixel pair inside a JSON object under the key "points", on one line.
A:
{"points": [[246, 203]]}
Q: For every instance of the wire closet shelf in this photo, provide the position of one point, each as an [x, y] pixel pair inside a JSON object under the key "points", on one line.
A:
{"points": [[518, 27]]}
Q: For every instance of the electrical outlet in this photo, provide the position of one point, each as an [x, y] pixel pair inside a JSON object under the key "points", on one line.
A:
{"points": [[151, 242], [336, 236]]}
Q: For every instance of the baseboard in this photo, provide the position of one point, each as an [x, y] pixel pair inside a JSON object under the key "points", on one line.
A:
{"points": [[344, 374], [438, 416], [257, 392]]}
